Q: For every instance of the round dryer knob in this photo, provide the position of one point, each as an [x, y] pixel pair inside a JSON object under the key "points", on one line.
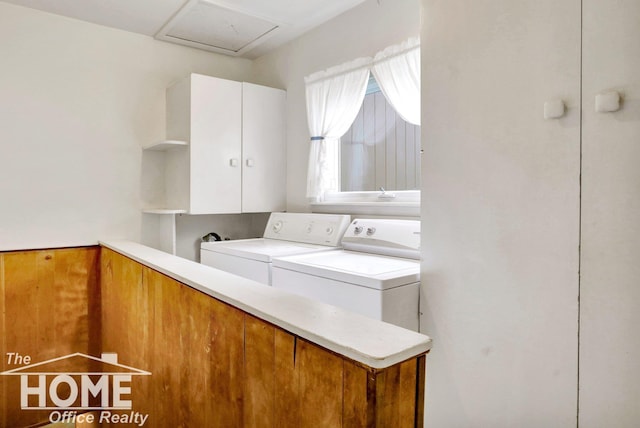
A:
{"points": [[371, 231], [357, 230]]}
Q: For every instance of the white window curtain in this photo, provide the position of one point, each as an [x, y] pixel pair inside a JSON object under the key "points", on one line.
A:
{"points": [[397, 71], [334, 97]]}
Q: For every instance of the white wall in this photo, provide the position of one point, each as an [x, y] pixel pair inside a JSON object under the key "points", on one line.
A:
{"points": [[77, 101], [500, 212], [362, 31]]}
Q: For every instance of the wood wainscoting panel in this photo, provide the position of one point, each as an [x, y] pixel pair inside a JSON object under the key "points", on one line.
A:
{"points": [[396, 395], [227, 366], [126, 308], [196, 357], [259, 370], [359, 398], [211, 364], [3, 358], [49, 310], [214, 365], [166, 352], [287, 381], [196, 344], [321, 386]]}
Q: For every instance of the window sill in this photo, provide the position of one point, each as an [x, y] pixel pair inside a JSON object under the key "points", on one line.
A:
{"points": [[405, 204]]}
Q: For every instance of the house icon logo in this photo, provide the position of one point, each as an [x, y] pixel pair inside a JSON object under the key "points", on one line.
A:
{"points": [[77, 382]]}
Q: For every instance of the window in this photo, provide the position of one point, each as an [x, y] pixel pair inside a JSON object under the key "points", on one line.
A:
{"points": [[351, 161], [380, 149]]}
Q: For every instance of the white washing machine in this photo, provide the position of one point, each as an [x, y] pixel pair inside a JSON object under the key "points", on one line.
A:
{"points": [[285, 234], [376, 274]]}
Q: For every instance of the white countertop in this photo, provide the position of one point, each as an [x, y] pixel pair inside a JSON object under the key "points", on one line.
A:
{"points": [[368, 341]]}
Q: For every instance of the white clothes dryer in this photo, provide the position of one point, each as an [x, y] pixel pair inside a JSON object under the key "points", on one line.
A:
{"points": [[285, 234], [376, 274]]}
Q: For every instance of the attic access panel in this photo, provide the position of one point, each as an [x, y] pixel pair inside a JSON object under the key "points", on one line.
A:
{"points": [[206, 25]]}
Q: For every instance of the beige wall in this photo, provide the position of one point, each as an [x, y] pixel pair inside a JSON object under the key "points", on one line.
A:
{"points": [[362, 31], [77, 101]]}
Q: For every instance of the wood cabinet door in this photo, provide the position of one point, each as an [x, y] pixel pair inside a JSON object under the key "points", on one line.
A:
{"points": [[264, 149]]}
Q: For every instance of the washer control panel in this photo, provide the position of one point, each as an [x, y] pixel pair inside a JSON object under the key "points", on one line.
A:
{"points": [[399, 238], [308, 228]]}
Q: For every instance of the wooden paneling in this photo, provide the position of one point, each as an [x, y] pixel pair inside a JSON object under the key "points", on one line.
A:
{"points": [[259, 366], [396, 395], [227, 365], [287, 389], [49, 302], [421, 362], [357, 408], [196, 357], [380, 135], [391, 397], [167, 350], [380, 149], [196, 345], [390, 149], [213, 365], [126, 309], [321, 375], [3, 360]]}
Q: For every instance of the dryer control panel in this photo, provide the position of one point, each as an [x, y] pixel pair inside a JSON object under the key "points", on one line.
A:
{"points": [[398, 238], [308, 228]]}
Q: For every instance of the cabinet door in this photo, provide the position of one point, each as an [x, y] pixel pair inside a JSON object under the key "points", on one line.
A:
{"points": [[215, 146], [264, 164], [609, 292], [501, 207]]}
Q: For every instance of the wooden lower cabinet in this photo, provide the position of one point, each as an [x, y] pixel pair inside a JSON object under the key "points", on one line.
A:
{"points": [[214, 365]]}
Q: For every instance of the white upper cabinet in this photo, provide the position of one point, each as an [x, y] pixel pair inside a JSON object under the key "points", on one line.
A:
{"points": [[263, 149], [233, 156]]}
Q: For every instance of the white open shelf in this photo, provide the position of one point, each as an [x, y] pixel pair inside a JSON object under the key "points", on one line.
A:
{"points": [[163, 211], [166, 145]]}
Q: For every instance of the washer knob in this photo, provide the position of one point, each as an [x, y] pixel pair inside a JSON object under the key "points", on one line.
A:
{"points": [[329, 230], [277, 226], [357, 230], [371, 231]]}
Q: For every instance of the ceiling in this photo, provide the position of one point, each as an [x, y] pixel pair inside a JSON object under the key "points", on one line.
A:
{"points": [[244, 28]]}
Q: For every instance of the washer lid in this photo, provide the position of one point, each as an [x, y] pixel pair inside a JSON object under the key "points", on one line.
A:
{"points": [[261, 249], [366, 270]]}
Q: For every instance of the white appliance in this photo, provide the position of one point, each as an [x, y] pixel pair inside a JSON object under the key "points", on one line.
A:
{"points": [[376, 274], [285, 234]]}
